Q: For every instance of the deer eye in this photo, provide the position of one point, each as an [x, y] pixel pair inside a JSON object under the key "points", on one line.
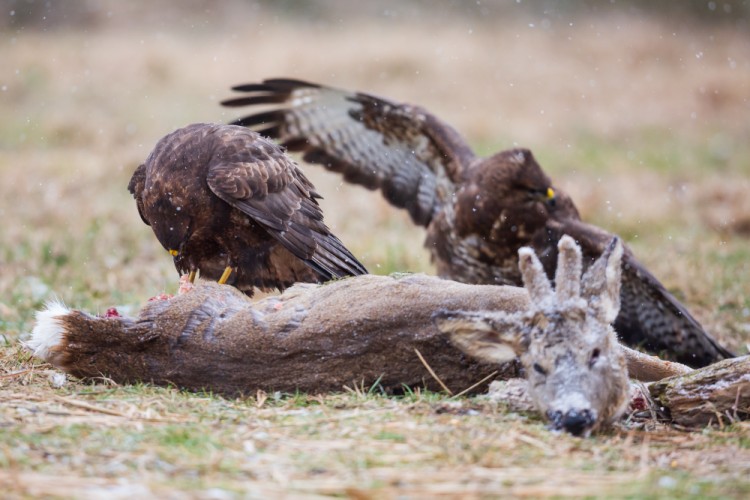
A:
{"points": [[538, 368], [594, 357]]}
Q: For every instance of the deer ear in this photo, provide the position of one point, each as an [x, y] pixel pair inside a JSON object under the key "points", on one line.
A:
{"points": [[491, 337], [601, 282]]}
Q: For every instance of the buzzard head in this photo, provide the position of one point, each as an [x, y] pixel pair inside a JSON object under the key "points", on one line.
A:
{"points": [[507, 197], [511, 178], [173, 230], [164, 205], [525, 178]]}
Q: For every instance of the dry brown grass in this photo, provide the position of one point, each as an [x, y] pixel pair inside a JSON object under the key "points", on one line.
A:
{"points": [[89, 441], [643, 120]]}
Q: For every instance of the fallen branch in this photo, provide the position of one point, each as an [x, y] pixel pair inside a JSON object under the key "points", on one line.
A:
{"points": [[719, 393]]}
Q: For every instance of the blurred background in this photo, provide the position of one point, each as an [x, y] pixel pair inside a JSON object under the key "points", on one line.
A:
{"points": [[641, 110]]}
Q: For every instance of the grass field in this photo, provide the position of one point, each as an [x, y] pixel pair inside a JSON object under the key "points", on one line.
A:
{"points": [[642, 118]]}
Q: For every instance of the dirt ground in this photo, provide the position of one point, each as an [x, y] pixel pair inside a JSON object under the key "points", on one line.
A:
{"points": [[642, 116]]}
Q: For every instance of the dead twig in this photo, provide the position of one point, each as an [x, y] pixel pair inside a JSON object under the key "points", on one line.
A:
{"points": [[434, 375], [260, 398], [87, 406], [90, 407], [16, 374], [536, 443], [468, 389]]}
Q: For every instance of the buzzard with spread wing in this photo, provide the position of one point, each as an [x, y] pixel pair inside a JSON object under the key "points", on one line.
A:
{"points": [[477, 211], [228, 203]]}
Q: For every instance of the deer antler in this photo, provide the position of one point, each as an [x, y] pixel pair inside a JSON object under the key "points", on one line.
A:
{"points": [[601, 283], [534, 279], [568, 275]]}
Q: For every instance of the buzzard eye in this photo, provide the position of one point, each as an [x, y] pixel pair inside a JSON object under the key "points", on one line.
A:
{"points": [[538, 368]]}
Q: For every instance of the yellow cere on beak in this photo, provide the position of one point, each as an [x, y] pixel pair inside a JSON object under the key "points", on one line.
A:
{"points": [[174, 253], [550, 194]]}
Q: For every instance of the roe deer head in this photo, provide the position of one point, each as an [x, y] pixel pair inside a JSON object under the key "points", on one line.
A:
{"points": [[577, 375]]}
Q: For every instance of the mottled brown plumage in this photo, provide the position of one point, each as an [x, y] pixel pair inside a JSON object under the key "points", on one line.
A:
{"points": [[477, 211], [220, 196]]}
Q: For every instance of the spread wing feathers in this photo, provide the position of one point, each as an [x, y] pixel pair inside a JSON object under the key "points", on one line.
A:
{"points": [[136, 186], [649, 315], [258, 179], [404, 151]]}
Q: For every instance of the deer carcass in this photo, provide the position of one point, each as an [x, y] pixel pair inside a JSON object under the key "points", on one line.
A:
{"points": [[367, 330]]}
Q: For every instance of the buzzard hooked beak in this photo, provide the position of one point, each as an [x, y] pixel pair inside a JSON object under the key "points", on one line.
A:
{"points": [[192, 275]]}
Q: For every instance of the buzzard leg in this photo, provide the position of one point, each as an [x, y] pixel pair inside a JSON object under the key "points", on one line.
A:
{"points": [[225, 275], [191, 276]]}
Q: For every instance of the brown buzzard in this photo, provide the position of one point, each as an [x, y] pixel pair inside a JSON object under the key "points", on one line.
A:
{"points": [[228, 203], [477, 211]]}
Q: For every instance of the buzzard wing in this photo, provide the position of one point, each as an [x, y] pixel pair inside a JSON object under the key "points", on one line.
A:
{"points": [[649, 314], [403, 150], [256, 177], [136, 186]]}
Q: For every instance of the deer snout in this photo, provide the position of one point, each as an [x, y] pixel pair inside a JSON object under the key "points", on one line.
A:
{"points": [[575, 422]]}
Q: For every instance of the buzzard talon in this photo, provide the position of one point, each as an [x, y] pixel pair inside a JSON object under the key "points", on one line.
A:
{"points": [[477, 211], [217, 193], [225, 275]]}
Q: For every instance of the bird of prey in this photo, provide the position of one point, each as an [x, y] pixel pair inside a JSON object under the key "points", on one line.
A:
{"points": [[230, 204], [478, 211]]}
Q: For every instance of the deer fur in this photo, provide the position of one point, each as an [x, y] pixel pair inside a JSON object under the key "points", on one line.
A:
{"points": [[311, 338], [576, 371], [361, 330]]}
